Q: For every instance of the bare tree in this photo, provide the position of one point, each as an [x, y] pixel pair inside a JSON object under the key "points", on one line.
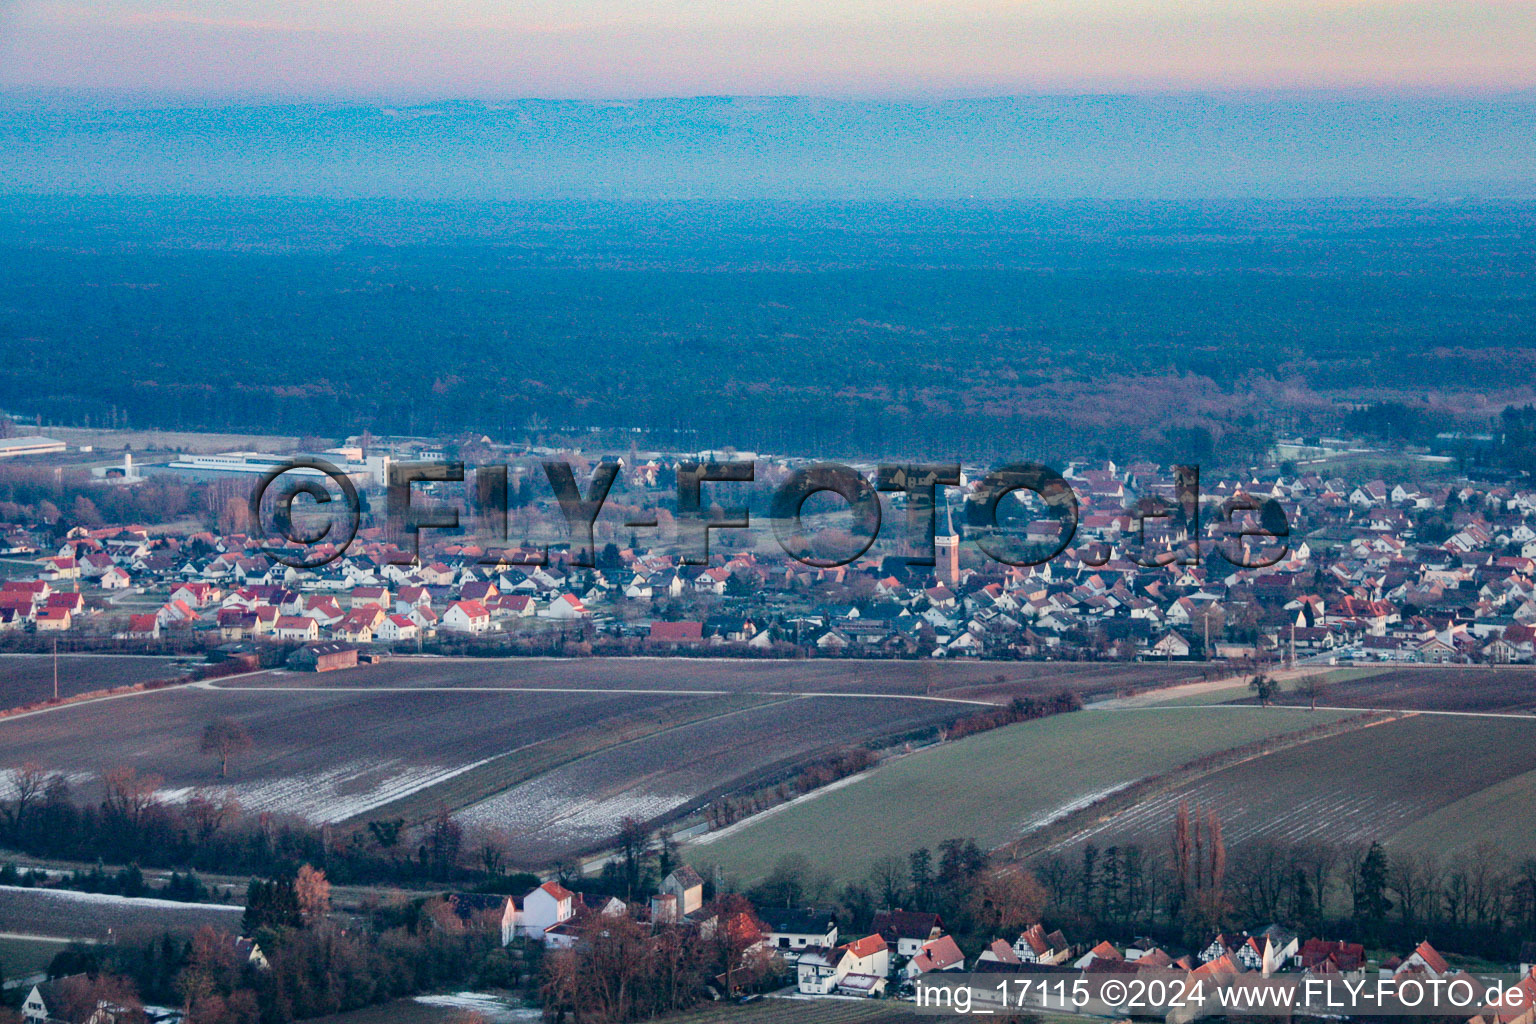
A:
{"points": [[1008, 900], [888, 879], [225, 738], [130, 794], [635, 847], [27, 785], [1311, 687], [209, 812], [1414, 879]]}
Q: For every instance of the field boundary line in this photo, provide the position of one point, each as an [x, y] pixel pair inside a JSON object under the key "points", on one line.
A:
{"points": [[115, 693], [212, 684], [1516, 715]]}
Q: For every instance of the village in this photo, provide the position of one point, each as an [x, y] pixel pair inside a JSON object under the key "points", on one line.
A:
{"points": [[1367, 571]]}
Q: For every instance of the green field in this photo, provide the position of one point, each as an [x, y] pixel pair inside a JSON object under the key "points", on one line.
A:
{"points": [[993, 786], [22, 958], [1499, 814]]}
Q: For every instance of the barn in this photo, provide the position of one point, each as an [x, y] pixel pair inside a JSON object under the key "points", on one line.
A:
{"points": [[324, 657]]}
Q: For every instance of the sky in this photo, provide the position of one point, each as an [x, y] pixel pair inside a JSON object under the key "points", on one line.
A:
{"points": [[419, 50]]}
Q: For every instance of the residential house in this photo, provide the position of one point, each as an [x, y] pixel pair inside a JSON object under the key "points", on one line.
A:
{"points": [[907, 931], [396, 628], [543, 908], [1035, 946], [797, 929], [567, 607], [939, 955], [53, 620], [469, 617], [1103, 951], [824, 971], [297, 627]]}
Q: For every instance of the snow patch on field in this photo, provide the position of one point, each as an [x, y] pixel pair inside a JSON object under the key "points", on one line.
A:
{"points": [[339, 793], [493, 1009], [1055, 814], [732, 829], [117, 901], [549, 810]]}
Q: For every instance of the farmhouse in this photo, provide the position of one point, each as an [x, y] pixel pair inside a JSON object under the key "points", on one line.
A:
{"points": [[1103, 951], [999, 952], [1424, 960], [1321, 956], [324, 657]]}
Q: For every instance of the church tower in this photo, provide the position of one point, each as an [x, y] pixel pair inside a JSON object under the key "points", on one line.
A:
{"points": [[946, 552]]}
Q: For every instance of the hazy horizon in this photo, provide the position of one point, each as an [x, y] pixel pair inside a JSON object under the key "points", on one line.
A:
{"points": [[1169, 146], [891, 49]]}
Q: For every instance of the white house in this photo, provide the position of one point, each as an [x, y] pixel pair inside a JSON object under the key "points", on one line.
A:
{"points": [[297, 627], [467, 617], [566, 606], [1171, 645], [395, 628], [822, 971], [543, 908], [794, 929]]}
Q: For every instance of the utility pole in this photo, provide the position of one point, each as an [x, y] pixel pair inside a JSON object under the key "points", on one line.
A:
{"points": [[55, 668]]}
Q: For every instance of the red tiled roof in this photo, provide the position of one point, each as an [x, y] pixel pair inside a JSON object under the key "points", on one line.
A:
{"points": [[677, 631], [869, 945]]}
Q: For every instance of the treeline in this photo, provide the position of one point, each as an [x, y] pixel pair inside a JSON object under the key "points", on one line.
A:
{"points": [[208, 832], [1182, 891], [63, 500], [1020, 709], [128, 881], [1478, 901]]}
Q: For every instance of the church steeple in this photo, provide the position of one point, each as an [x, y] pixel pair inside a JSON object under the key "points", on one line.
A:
{"points": [[946, 551]]}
